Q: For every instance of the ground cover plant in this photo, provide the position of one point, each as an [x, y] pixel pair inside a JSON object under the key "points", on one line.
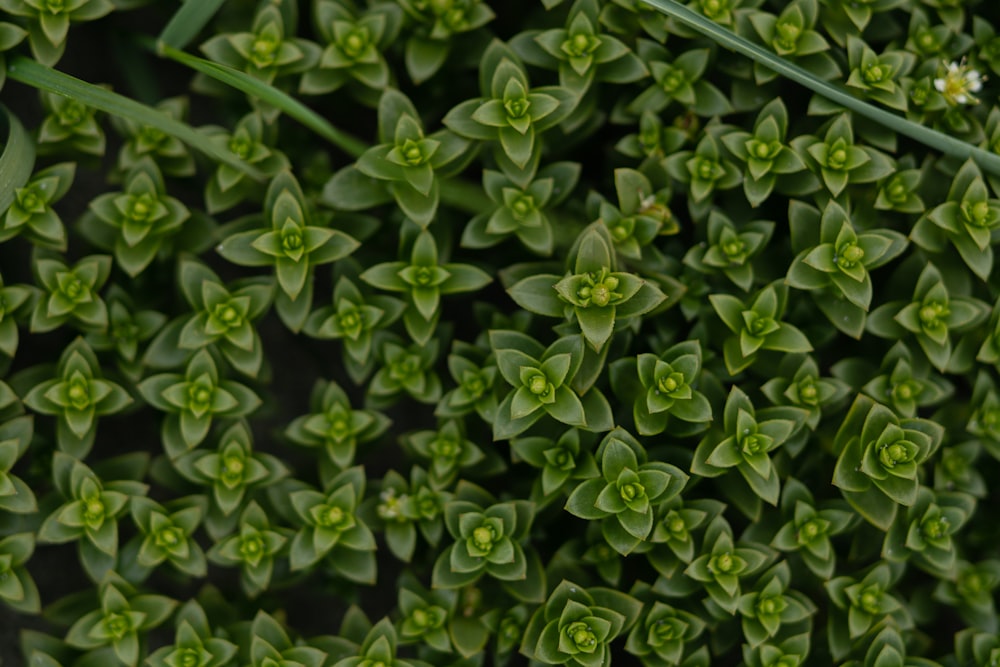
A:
{"points": [[357, 333]]}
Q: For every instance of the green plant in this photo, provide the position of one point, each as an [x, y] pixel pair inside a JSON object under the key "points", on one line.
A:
{"points": [[358, 333]]}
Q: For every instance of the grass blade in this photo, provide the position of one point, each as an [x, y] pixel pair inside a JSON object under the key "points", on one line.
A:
{"points": [[39, 76], [925, 135], [269, 94], [17, 160], [188, 21]]}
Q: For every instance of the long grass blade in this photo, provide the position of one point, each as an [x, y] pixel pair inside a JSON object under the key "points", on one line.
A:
{"points": [[925, 135], [17, 160], [271, 95], [39, 76], [188, 21]]}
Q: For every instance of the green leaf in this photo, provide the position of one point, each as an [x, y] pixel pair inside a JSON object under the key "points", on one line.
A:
{"points": [[537, 294], [17, 159], [270, 95], [44, 78], [787, 68], [567, 408]]}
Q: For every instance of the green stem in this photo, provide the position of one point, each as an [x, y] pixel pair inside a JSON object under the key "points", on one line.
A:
{"points": [[39, 76], [269, 94], [925, 135], [456, 193], [188, 21]]}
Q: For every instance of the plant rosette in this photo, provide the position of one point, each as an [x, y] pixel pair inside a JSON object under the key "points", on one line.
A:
{"points": [[756, 325], [765, 151], [474, 372], [791, 652], [661, 387], [520, 211], [169, 153], [405, 369], [907, 382], [232, 471], [984, 422], [561, 460], [792, 34], [580, 51], [448, 451], [542, 385], [192, 400], [772, 608], [439, 25], [194, 642], [705, 171], [31, 214], [627, 493], [123, 616], [730, 249], [488, 538], [70, 294], [335, 426], [971, 592], [354, 319], [722, 565], [70, 125], [594, 294], [424, 279], [90, 513], [353, 55], [678, 79], [838, 160], [379, 648], [653, 141], [968, 220], [127, 328], [808, 528], [166, 534], [925, 534], [138, 222], [270, 645], [17, 588], [291, 244], [876, 76], [834, 264], [251, 141], [16, 497], [425, 615], [253, 549], [675, 532], [269, 51], [931, 316], [404, 513], [748, 439], [77, 397], [799, 384], [332, 529], [863, 604], [665, 635], [511, 114], [880, 459], [49, 23], [576, 625], [409, 162], [641, 216], [14, 299], [223, 317]]}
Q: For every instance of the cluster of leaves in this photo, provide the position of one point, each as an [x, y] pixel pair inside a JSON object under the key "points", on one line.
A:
{"points": [[592, 344]]}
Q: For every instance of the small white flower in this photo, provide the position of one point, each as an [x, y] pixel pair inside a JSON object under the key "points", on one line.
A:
{"points": [[959, 82]]}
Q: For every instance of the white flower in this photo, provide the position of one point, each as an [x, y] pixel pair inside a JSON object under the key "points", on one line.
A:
{"points": [[958, 83]]}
